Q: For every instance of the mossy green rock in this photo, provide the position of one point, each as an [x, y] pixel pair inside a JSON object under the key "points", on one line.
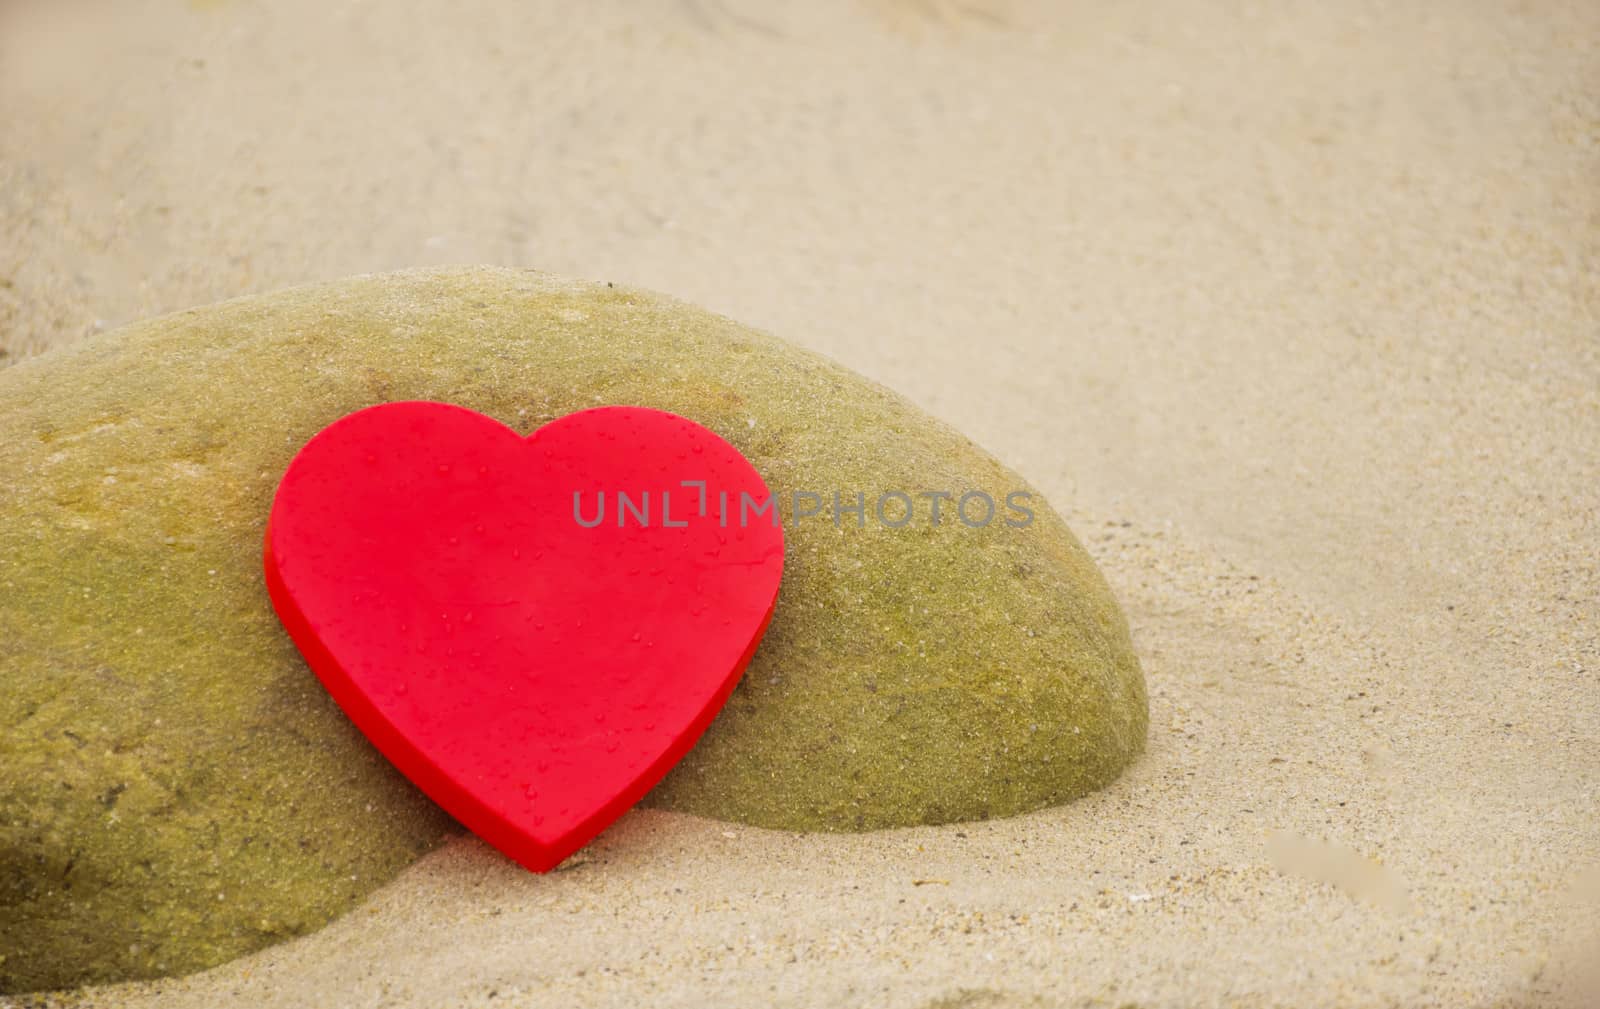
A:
{"points": [[175, 786]]}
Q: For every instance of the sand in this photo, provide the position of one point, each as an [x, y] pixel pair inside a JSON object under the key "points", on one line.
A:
{"points": [[1292, 312]]}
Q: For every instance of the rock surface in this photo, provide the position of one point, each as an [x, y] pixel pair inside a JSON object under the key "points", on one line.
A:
{"points": [[177, 789]]}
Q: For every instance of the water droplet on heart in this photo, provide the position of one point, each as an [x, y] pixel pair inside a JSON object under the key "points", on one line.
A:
{"points": [[531, 792]]}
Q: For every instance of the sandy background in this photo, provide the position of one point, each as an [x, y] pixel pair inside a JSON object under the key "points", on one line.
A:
{"points": [[1292, 309]]}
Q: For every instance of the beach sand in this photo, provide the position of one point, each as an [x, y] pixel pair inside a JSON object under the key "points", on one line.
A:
{"points": [[1292, 312]]}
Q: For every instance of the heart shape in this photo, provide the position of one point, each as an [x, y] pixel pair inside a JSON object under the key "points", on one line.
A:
{"points": [[535, 672]]}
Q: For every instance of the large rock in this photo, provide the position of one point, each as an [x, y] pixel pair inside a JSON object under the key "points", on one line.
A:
{"points": [[177, 789]]}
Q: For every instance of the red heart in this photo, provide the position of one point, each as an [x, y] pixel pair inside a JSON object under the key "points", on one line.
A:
{"points": [[533, 674]]}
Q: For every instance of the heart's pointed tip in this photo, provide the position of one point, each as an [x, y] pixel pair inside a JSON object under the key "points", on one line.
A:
{"points": [[542, 859]]}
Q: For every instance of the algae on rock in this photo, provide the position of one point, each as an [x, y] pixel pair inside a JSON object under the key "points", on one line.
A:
{"points": [[176, 788]]}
